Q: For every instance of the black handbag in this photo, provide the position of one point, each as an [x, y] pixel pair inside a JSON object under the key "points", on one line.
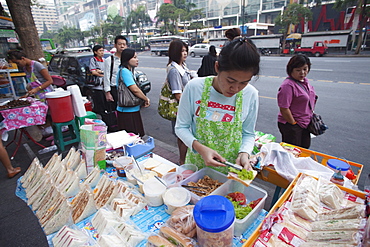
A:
{"points": [[126, 98], [92, 80], [316, 125]]}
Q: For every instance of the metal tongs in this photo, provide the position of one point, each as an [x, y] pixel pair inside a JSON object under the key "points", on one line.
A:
{"points": [[194, 189], [229, 164]]}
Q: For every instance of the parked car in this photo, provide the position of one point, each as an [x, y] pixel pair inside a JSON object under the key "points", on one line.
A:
{"points": [[201, 50], [73, 67]]}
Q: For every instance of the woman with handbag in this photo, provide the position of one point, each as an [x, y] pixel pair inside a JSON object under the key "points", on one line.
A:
{"points": [[217, 115], [178, 76], [295, 99], [129, 117]]}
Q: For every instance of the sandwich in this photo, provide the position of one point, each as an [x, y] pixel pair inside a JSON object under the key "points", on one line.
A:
{"points": [[130, 234], [81, 170], [163, 169], [83, 205], [52, 161], [74, 160], [244, 177], [71, 186], [69, 237], [60, 217], [158, 241], [31, 169], [93, 178], [177, 238], [104, 220]]}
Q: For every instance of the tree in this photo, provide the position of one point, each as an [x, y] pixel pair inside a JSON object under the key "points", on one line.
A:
{"points": [[361, 15], [67, 35], [196, 14], [292, 15], [167, 15], [25, 27]]}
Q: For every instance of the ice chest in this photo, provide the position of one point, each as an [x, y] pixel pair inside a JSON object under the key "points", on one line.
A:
{"points": [[251, 193], [199, 175]]}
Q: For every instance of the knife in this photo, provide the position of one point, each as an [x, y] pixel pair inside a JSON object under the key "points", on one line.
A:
{"points": [[235, 166]]}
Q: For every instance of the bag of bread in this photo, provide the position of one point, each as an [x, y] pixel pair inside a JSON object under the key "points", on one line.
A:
{"points": [[182, 220]]}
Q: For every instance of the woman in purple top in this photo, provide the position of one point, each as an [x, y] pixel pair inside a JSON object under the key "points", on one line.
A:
{"points": [[296, 100]]}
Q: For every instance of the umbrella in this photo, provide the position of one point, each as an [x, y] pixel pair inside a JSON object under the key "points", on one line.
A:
{"points": [[294, 36]]}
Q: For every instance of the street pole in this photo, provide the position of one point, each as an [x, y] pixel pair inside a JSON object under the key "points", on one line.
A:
{"points": [[243, 13]]}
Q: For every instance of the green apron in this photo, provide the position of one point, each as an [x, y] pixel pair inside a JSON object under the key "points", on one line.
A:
{"points": [[223, 137]]}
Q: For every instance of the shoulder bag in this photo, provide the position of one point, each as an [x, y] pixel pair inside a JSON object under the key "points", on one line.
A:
{"points": [[126, 98], [168, 104], [316, 125]]}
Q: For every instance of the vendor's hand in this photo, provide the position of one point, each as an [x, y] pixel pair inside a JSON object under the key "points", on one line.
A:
{"points": [[209, 155], [243, 160], [108, 96]]}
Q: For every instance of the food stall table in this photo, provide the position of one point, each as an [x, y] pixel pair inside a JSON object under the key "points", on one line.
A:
{"points": [[270, 175], [19, 118]]}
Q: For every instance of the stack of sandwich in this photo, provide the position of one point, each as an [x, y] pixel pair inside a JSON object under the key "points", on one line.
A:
{"points": [[70, 237], [48, 189], [113, 231], [317, 214]]}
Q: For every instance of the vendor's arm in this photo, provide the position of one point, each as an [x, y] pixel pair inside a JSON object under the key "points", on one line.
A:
{"points": [[128, 79], [48, 82], [249, 124], [209, 155], [106, 80]]}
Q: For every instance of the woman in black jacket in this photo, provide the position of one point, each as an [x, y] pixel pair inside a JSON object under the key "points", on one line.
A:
{"points": [[208, 63]]}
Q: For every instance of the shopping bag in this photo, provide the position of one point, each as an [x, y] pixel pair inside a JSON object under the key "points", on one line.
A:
{"points": [[168, 104]]}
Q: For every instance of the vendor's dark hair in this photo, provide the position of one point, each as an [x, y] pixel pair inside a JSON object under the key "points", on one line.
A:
{"points": [[297, 61], [16, 54], [175, 50], [241, 55], [126, 55], [97, 47], [212, 51], [232, 33]]}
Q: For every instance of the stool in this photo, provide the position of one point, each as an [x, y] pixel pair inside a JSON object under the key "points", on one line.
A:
{"points": [[59, 137], [81, 120]]}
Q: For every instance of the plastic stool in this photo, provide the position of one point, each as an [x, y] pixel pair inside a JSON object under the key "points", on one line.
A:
{"points": [[81, 120], [59, 137]]}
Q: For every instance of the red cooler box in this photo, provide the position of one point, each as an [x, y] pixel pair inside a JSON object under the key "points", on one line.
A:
{"points": [[60, 105]]}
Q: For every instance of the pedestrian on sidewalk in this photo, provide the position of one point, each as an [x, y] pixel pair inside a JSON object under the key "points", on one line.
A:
{"points": [[295, 98], [96, 67], [129, 118], [178, 76], [208, 63], [217, 115]]}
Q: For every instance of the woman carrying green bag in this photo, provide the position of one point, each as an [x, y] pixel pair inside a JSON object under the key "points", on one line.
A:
{"points": [[178, 76], [217, 114]]}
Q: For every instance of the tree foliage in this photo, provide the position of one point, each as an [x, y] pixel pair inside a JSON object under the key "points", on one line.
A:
{"points": [[362, 14], [69, 36], [293, 14]]}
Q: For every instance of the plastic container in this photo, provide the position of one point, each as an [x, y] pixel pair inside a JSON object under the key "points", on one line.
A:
{"points": [[337, 165], [172, 179], [153, 191], [174, 198], [214, 216], [252, 193], [60, 105], [187, 170], [200, 174]]}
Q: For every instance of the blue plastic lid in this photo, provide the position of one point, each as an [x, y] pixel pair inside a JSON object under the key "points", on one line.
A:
{"points": [[338, 164], [214, 213]]}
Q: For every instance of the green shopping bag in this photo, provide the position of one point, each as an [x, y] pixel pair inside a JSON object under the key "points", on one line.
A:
{"points": [[168, 104]]}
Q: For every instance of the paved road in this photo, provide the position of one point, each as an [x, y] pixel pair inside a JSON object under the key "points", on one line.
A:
{"points": [[342, 83]]}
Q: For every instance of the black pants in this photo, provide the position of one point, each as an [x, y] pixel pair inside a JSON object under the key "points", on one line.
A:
{"points": [[131, 122], [295, 135]]}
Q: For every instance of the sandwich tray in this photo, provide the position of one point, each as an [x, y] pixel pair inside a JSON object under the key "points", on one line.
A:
{"points": [[288, 192]]}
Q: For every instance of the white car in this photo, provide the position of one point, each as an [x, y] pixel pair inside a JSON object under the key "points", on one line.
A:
{"points": [[201, 50]]}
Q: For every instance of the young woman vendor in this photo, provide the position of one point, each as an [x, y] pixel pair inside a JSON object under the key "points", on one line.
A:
{"points": [[217, 114]]}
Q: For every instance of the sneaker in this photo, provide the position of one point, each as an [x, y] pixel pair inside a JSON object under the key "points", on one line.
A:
{"points": [[34, 132]]}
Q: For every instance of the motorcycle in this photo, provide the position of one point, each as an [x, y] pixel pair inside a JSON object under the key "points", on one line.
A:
{"points": [[265, 52]]}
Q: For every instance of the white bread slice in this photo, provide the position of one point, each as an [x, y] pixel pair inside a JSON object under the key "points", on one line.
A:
{"points": [[35, 162], [83, 206], [163, 169], [51, 161], [81, 170], [61, 217], [93, 178], [151, 163], [72, 187]]}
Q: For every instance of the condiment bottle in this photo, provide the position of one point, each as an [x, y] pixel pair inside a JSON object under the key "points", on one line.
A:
{"points": [[214, 217], [337, 177]]}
